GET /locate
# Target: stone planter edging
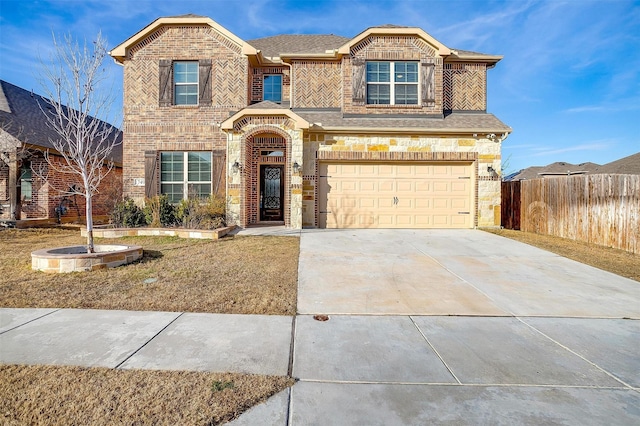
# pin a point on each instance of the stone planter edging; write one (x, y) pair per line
(213, 234)
(76, 259)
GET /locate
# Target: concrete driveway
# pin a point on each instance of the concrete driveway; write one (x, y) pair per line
(460, 327)
(451, 272)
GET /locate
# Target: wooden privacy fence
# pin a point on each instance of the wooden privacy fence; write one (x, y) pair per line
(598, 209)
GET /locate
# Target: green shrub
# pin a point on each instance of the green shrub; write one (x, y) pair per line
(158, 211)
(198, 213)
(127, 214)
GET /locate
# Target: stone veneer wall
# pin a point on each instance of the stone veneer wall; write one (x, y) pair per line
(149, 127)
(484, 152)
(240, 207)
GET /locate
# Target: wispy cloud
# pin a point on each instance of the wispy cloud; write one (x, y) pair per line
(599, 145)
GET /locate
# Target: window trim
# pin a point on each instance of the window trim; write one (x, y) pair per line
(264, 77)
(176, 83)
(185, 173)
(392, 84)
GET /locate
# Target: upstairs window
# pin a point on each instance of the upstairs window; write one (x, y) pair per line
(272, 88)
(392, 83)
(185, 175)
(185, 81)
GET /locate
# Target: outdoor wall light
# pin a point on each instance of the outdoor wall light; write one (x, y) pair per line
(490, 169)
(296, 167)
(236, 167)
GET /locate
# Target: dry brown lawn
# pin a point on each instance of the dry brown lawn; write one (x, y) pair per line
(239, 275)
(44, 395)
(609, 259)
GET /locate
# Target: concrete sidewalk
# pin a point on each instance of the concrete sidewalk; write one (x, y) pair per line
(146, 340)
(365, 369)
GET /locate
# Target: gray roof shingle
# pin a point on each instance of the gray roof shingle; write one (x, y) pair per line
(467, 122)
(24, 120)
(628, 165)
(297, 43)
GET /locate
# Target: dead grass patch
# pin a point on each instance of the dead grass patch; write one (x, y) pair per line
(609, 259)
(239, 275)
(41, 395)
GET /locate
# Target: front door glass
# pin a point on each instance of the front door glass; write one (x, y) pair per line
(271, 193)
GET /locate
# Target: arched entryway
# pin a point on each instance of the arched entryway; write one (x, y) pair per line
(266, 178)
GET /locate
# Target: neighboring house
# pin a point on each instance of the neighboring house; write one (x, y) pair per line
(558, 168)
(629, 165)
(24, 194)
(387, 129)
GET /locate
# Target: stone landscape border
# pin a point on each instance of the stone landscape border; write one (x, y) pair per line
(76, 258)
(212, 234)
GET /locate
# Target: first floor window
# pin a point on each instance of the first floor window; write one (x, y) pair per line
(272, 88)
(26, 181)
(185, 79)
(392, 83)
(185, 175)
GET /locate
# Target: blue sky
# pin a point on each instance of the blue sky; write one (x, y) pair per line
(569, 83)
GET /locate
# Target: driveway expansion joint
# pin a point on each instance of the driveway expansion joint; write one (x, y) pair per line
(435, 350)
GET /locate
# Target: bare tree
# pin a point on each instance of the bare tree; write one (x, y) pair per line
(76, 101)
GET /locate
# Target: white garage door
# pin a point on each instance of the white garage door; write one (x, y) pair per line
(396, 195)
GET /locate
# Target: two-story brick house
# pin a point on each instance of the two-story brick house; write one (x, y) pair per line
(387, 129)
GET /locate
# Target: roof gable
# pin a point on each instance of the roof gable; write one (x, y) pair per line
(394, 30)
(119, 53)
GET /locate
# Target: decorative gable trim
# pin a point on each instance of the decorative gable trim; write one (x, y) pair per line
(361, 40)
(153, 31)
(284, 118)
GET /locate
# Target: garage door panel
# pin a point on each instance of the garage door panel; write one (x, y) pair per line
(459, 220)
(441, 203)
(441, 220)
(424, 203)
(460, 187)
(441, 187)
(424, 186)
(459, 203)
(386, 203)
(367, 185)
(405, 186)
(395, 195)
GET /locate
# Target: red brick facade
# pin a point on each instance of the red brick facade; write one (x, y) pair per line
(317, 83)
(50, 192)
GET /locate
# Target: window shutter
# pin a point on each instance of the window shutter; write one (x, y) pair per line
(218, 170)
(204, 66)
(359, 84)
(150, 174)
(428, 83)
(166, 85)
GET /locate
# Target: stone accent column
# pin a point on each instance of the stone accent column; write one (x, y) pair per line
(296, 180)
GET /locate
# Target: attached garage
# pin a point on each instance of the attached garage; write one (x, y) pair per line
(396, 195)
